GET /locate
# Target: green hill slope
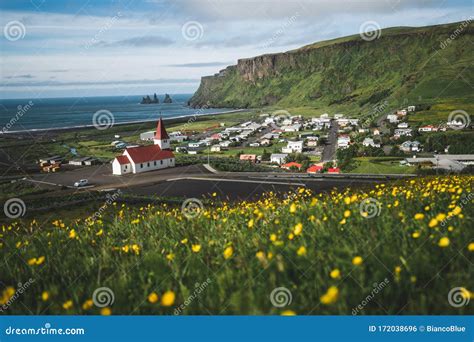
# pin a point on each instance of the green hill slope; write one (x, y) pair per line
(403, 64)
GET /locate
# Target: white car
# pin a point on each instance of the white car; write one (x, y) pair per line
(82, 182)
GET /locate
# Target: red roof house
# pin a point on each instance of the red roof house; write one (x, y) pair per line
(314, 169)
(334, 170)
(289, 165)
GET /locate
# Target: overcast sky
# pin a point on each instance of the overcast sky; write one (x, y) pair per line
(54, 48)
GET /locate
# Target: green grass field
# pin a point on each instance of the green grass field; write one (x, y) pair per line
(404, 246)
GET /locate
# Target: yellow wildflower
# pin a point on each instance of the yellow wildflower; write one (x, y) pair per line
(419, 216)
(443, 242)
(87, 304)
(196, 248)
(293, 208)
(335, 274)
(433, 223)
(72, 234)
(106, 311)
(228, 252)
(67, 305)
(357, 260)
(298, 228)
(288, 313)
(152, 298)
(250, 223)
(45, 296)
(168, 298)
(347, 213)
(301, 251)
(470, 247)
(415, 235)
(330, 296)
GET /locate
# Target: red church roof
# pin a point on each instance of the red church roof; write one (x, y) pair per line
(123, 160)
(161, 131)
(142, 154)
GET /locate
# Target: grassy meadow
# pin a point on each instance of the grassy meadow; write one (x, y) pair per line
(395, 248)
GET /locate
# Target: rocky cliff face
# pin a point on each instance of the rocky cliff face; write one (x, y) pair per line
(344, 71)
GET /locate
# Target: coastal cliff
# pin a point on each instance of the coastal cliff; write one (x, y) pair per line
(402, 62)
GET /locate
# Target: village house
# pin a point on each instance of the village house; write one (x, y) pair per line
(428, 128)
(370, 142)
(278, 158)
(411, 108)
(291, 165)
(403, 125)
(146, 158)
(343, 141)
(392, 118)
(402, 132)
(293, 147)
(314, 169)
(410, 146)
(248, 157)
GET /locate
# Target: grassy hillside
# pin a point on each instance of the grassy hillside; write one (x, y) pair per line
(324, 254)
(404, 65)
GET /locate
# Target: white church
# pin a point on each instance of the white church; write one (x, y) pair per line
(146, 158)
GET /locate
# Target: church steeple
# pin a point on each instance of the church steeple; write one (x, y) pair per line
(161, 136)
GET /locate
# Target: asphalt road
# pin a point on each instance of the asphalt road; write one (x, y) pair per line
(330, 148)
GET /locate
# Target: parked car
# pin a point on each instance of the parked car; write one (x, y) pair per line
(81, 182)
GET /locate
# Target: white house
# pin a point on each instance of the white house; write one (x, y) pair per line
(411, 108)
(392, 118)
(278, 158)
(370, 142)
(343, 141)
(403, 125)
(400, 132)
(293, 146)
(428, 128)
(146, 158)
(410, 146)
(291, 128)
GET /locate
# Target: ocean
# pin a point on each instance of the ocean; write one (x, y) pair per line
(41, 114)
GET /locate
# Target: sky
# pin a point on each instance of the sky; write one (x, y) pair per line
(59, 48)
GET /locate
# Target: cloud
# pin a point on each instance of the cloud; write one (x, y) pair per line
(199, 65)
(27, 76)
(143, 41)
(107, 82)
